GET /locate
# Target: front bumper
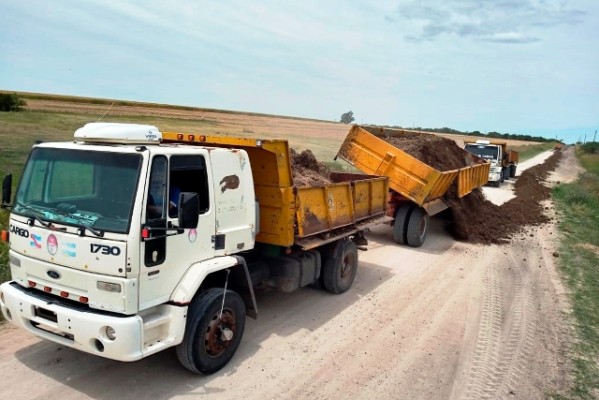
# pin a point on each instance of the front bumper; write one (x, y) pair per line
(76, 327)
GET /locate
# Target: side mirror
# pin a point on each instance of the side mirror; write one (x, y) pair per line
(189, 210)
(6, 191)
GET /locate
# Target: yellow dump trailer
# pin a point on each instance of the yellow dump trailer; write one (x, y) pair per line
(417, 189)
(308, 216)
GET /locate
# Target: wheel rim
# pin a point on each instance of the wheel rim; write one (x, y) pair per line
(220, 333)
(346, 270)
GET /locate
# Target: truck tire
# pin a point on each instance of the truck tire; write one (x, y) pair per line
(400, 224)
(339, 270)
(211, 339)
(417, 227)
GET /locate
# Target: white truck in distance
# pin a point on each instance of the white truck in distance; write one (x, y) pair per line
(128, 240)
(503, 162)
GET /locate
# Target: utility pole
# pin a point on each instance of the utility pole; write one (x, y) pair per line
(594, 135)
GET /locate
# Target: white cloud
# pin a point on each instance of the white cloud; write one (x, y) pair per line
(502, 21)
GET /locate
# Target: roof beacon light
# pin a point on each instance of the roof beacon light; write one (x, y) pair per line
(108, 132)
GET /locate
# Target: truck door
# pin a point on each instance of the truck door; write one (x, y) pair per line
(169, 253)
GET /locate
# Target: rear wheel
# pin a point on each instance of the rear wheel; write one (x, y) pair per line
(417, 227)
(339, 271)
(400, 225)
(212, 334)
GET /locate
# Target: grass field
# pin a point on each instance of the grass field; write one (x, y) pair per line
(578, 203)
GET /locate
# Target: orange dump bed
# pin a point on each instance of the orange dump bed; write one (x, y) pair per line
(409, 176)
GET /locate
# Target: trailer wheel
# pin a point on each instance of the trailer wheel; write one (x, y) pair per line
(211, 337)
(417, 227)
(400, 224)
(339, 271)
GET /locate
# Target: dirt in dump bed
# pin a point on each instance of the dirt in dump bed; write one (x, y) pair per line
(440, 153)
(307, 170)
(477, 220)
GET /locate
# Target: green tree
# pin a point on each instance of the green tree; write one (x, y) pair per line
(11, 102)
(348, 117)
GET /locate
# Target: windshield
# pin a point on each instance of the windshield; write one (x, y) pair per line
(88, 189)
(483, 151)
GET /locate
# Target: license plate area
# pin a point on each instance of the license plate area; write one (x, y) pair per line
(45, 314)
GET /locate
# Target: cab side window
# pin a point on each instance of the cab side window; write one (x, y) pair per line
(188, 174)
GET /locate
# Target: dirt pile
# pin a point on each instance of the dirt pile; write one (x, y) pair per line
(477, 220)
(440, 153)
(307, 170)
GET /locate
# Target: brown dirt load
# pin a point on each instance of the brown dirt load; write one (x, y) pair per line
(440, 153)
(307, 170)
(477, 220)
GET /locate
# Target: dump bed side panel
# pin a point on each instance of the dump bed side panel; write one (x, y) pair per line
(512, 156)
(326, 208)
(470, 178)
(408, 176)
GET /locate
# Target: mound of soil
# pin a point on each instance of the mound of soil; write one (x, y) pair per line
(440, 153)
(477, 220)
(307, 170)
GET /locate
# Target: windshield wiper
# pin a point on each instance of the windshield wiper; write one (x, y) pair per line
(33, 216)
(82, 228)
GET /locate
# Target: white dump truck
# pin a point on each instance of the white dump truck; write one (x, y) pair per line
(503, 161)
(128, 241)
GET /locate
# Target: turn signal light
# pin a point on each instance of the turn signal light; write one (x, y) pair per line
(64, 294)
(83, 299)
(47, 289)
(31, 283)
(190, 138)
(145, 233)
(5, 236)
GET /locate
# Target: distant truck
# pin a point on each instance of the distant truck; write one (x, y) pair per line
(503, 161)
(416, 190)
(104, 259)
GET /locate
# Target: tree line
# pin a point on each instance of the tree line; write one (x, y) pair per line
(348, 118)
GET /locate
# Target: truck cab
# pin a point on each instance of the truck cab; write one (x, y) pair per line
(493, 153)
(105, 230)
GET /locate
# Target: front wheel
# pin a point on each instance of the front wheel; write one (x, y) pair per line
(212, 333)
(339, 271)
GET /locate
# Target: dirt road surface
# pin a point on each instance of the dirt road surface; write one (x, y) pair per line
(446, 321)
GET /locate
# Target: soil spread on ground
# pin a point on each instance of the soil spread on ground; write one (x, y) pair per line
(307, 170)
(477, 220)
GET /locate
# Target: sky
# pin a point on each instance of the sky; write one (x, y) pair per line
(510, 66)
